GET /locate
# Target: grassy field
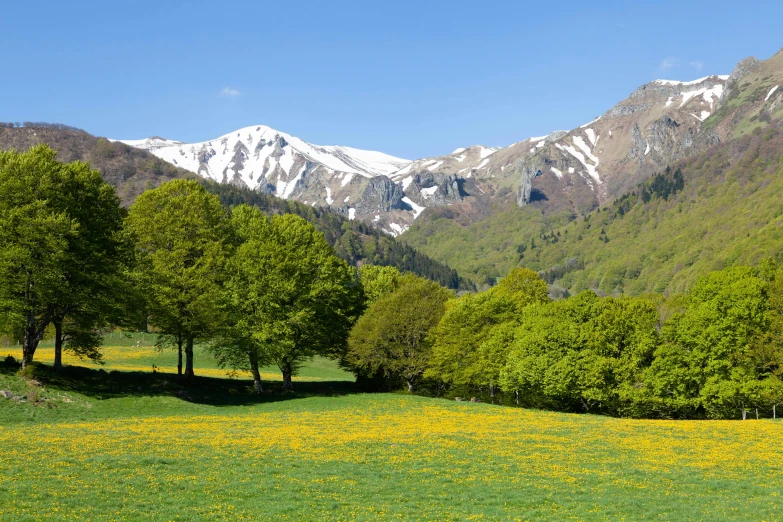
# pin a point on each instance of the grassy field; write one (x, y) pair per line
(137, 353)
(132, 445)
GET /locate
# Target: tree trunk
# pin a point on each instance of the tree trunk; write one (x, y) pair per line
(179, 355)
(257, 388)
(58, 344)
(757, 414)
(744, 413)
(288, 385)
(773, 412)
(492, 391)
(410, 385)
(32, 336)
(189, 359)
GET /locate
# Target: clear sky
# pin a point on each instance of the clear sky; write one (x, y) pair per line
(412, 79)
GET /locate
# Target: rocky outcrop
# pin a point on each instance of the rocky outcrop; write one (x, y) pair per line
(527, 170)
(380, 194)
(742, 69)
(661, 89)
(627, 110)
(236, 164)
(638, 143)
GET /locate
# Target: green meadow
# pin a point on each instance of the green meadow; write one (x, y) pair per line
(86, 444)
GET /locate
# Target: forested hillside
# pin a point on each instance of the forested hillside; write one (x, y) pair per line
(709, 211)
(131, 171)
(354, 241)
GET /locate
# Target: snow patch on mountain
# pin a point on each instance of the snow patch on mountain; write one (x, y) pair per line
(259, 152)
(417, 209)
(722, 77)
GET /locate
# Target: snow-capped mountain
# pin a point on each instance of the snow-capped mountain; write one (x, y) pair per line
(259, 154)
(577, 170)
(352, 181)
(589, 165)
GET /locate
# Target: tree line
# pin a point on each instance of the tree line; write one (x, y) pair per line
(715, 352)
(256, 290)
(260, 290)
(356, 242)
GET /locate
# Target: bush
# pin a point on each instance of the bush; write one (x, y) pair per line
(30, 372)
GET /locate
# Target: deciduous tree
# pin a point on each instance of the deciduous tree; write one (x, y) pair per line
(392, 335)
(182, 236)
(289, 296)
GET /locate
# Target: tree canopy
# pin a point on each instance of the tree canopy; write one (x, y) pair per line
(63, 253)
(290, 297)
(183, 241)
(392, 335)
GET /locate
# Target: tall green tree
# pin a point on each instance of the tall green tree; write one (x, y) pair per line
(63, 256)
(96, 290)
(392, 335)
(183, 241)
(577, 354)
(288, 295)
(460, 355)
(713, 339)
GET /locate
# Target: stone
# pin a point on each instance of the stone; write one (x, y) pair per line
(380, 194)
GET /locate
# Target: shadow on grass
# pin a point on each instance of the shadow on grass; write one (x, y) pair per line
(100, 384)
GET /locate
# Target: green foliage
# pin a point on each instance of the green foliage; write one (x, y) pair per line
(29, 371)
(714, 352)
(575, 354)
(706, 360)
(378, 281)
(289, 297)
(392, 336)
(355, 242)
(467, 340)
(64, 256)
(182, 239)
(485, 250)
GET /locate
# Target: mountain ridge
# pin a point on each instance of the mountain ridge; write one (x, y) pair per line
(576, 172)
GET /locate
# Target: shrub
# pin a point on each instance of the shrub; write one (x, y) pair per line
(29, 372)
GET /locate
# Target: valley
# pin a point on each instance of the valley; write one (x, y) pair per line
(534, 271)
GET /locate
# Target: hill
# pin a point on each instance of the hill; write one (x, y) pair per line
(354, 241)
(131, 171)
(703, 213)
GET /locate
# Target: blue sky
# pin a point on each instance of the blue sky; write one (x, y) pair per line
(413, 79)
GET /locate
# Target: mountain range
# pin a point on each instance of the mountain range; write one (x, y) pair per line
(663, 159)
(574, 170)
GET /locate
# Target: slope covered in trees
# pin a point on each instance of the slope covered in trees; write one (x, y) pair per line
(356, 242)
(130, 171)
(709, 211)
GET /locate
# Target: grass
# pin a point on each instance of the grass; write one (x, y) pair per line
(136, 352)
(136, 445)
